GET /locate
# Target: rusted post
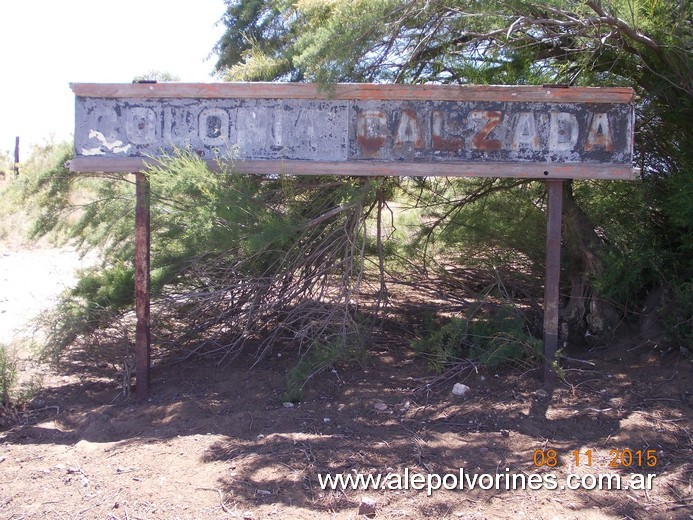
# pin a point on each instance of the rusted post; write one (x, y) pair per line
(553, 273)
(142, 331)
(16, 157)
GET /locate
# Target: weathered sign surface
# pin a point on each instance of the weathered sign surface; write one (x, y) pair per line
(538, 132)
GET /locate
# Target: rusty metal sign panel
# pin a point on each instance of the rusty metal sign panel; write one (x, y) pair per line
(360, 129)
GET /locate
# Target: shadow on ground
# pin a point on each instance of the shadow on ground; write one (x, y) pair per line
(270, 455)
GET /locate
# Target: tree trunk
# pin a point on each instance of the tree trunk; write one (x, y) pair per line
(589, 319)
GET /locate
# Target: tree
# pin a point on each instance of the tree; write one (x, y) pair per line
(156, 75)
(645, 44)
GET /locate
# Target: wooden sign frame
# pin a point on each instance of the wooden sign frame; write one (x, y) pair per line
(432, 130)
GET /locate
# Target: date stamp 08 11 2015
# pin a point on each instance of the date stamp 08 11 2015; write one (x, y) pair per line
(625, 458)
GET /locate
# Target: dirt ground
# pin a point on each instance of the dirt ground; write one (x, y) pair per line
(216, 441)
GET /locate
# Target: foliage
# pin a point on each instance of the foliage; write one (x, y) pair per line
(641, 234)
(155, 75)
(234, 257)
(6, 162)
(322, 356)
(490, 334)
(461, 41)
(17, 213)
(491, 223)
(8, 374)
(678, 315)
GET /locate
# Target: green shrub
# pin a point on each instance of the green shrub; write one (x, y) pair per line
(678, 321)
(443, 345)
(233, 256)
(501, 337)
(324, 355)
(649, 245)
(8, 374)
(491, 336)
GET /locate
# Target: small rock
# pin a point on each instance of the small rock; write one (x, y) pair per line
(505, 433)
(36, 403)
(405, 407)
(484, 450)
(85, 446)
(460, 389)
(325, 419)
(247, 515)
(288, 404)
(541, 393)
(264, 492)
(380, 406)
(3, 459)
(367, 507)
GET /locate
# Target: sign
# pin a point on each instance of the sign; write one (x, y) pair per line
(548, 132)
(360, 129)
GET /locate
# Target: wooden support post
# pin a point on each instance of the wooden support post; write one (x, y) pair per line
(142, 332)
(553, 273)
(16, 157)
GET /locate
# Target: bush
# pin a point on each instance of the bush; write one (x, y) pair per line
(8, 375)
(491, 335)
(233, 257)
(678, 321)
(647, 246)
(322, 356)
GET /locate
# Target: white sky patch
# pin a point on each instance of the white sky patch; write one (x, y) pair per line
(46, 45)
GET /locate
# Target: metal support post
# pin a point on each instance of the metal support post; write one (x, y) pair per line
(142, 332)
(553, 273)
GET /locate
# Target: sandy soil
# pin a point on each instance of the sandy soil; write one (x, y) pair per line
(216, 441)
(30, 281)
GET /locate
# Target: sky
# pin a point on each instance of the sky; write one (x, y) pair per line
(47, 44)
